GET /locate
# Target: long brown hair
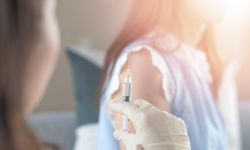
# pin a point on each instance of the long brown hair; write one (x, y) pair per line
(19, 23)
(143, 17)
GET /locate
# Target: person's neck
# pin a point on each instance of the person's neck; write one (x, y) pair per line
(190, 29)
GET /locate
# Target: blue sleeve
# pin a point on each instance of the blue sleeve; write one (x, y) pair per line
(105, 140)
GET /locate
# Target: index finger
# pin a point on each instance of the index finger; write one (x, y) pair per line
(126, 108)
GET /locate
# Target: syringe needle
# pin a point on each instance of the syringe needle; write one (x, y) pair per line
(129, 63)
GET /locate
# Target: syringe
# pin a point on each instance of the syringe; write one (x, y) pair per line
(126, 96)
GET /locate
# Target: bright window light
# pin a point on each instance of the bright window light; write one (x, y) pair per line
(238, 9)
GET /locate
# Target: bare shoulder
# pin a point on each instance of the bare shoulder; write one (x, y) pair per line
(146, 79)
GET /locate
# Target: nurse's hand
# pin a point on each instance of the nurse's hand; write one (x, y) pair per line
(155, 129)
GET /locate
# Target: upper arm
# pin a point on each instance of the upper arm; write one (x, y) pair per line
(147, 82)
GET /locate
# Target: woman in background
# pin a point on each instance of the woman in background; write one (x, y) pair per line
(174, 65)
(28, 50)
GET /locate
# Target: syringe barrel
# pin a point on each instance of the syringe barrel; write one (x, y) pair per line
(126, 92)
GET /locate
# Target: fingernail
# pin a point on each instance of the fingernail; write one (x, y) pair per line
(116, 134)
(113, 104)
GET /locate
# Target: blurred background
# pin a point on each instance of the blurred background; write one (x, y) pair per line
(93, 24)
(88, 27)
(90, 24)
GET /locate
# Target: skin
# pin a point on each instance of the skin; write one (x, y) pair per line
(43, 58)
(207, 10)
(194, 17)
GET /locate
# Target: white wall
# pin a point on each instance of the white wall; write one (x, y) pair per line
(97, 20)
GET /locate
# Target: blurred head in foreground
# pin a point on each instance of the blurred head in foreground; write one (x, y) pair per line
(28, 35)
